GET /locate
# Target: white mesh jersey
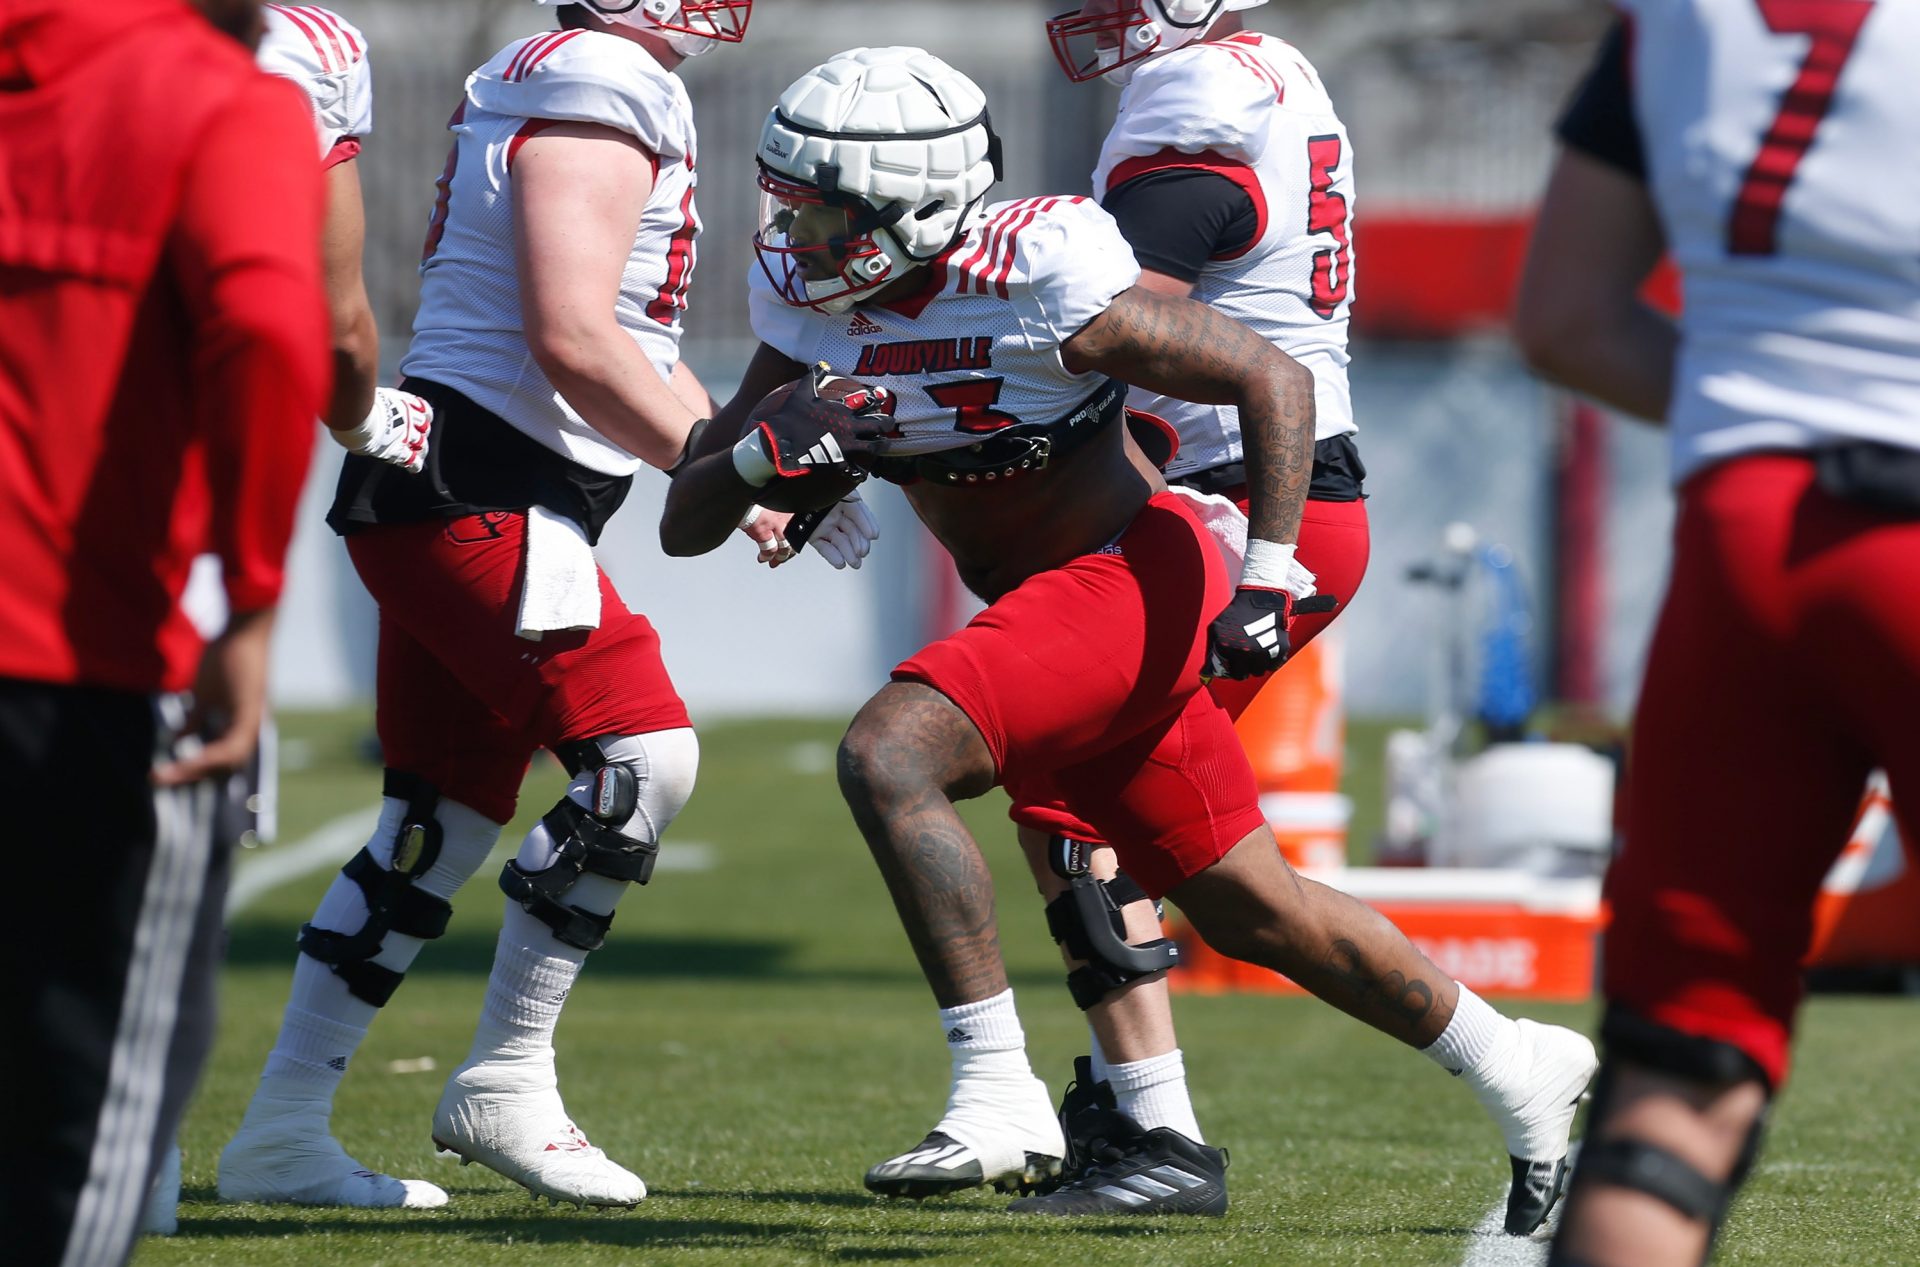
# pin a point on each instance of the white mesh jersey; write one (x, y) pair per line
(1251, 108)
(326, 56)
(977, 349)
(1784, 158)
(467, 334)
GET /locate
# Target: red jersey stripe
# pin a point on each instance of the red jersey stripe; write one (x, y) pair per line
(965, 268)
(546, 52)
(1004, 266)
(533, 42)
(323, 22)
(972, 282)
(313, 36)
(1259, 70)
(338, 27)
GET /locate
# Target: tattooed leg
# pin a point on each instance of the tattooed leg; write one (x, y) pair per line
(1252, 906)
(908, 756)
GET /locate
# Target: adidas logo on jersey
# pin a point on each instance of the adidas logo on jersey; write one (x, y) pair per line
(862, 324)
(825, 452)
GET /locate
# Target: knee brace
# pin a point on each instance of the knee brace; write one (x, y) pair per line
(1087, 922)
(1649, 1168)
(625, 791)
(393, 903)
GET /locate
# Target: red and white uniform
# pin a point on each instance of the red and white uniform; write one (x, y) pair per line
(326, 57)
(467, 334)
(981, 343)
(1782, 156)
(1802, 316)
(1084, 681)
(1251, 109)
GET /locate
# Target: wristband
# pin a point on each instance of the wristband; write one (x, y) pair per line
(356, 439)
(1272, 566)
(751, 461)
(694, 433)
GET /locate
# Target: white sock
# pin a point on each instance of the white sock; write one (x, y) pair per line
(996, 1105)
(1153, 1092)
(533, 970)
(324, 1024)
(1473, 1039)
(985, 1038)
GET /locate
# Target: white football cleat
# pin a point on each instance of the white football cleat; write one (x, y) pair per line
(1532, 1097)
(509, 1118)
(283, 1154)
(996, 1131)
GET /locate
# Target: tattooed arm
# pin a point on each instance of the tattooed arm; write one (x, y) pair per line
(1184, 349)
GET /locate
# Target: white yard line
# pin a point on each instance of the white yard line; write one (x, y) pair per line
(261, 872)
(1492, 1247)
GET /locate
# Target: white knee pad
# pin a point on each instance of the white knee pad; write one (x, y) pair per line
(604, 834)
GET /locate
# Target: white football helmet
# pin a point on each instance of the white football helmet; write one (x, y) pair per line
(690, 27)
(871, 164)
(1109, 37)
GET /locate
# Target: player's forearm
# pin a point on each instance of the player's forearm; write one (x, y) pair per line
(1276, 433)
(704, 506)
(356, 367)
(608, 379)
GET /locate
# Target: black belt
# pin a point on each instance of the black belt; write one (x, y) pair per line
(1016, 449)
(1338, 473)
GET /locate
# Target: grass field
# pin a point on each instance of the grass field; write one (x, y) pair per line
(755, 1034)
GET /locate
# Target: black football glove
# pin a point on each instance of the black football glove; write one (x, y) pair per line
(1251, 637)
(821, 427)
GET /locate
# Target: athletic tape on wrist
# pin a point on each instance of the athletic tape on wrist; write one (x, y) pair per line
(751, 461)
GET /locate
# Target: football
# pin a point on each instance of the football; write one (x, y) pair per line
(830, 480)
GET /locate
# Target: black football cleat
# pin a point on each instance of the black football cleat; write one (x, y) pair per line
(1127, 1170)
(1082, 1111)
(1536, 1189)
(940, 1164)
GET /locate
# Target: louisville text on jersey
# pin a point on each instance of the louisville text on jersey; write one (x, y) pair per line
(922, 356)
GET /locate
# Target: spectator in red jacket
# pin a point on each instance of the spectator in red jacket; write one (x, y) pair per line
(163, 354)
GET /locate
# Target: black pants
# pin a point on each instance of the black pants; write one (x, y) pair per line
(107, 957)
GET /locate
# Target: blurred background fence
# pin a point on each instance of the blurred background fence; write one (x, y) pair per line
(1449, 103)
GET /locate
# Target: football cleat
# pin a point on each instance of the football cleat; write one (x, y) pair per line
(998, 1131)
(1133, 1171)
(283, 1154)
(509, 1118)
(1081, 1112)
(1533, 1096)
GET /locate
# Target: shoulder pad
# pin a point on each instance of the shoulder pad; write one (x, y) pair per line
(1216, 96)
(1068, 262)
(588, 77)
(326, 56)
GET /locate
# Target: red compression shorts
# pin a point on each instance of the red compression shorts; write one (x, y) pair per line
(1086, 678)
(464, 702)
(1785, 666)
(1334, 543)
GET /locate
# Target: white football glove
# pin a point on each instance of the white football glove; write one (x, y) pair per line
(396, 431)
(847, 533)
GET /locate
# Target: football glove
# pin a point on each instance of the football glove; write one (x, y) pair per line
(395, 431)
(844, 535)
(1252, 637)
(820, 427)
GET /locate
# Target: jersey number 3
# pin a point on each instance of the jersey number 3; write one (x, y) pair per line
(1755, 221)
(1327, 213)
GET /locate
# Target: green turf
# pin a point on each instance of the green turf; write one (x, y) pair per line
(754, 1036)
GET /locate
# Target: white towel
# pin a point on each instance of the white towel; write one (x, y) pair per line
(561, 589)
(1227, 525)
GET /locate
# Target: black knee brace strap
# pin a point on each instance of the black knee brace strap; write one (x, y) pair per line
(586, 844)
(393, 904)
(1086, 920)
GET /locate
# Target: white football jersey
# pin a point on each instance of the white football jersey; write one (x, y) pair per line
(1785, 164)
(326, 56)
(1251, 108)
(467, 334)
(978, 348)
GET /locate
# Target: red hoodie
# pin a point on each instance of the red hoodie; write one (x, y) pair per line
(163, 335)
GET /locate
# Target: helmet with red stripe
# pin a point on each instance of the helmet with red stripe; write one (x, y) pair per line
(871, 164)
(1109, 37)
(690, 27)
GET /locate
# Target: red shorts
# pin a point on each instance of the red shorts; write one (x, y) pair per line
(463, 701)
(1333, 546)
(1086, 678)
(1785, 666)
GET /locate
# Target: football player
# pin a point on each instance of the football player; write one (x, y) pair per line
(1771, 149)
(993, 347)
(555, 280)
